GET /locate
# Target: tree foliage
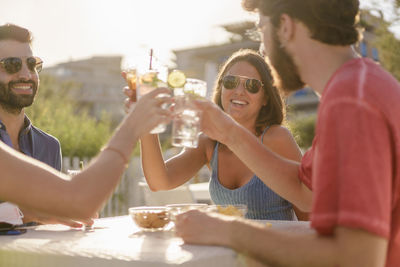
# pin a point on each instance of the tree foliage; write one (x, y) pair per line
(56, 113)
(389, 47)
(303, 129)
(386, 42)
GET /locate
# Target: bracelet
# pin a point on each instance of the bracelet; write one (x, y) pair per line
(122, 155)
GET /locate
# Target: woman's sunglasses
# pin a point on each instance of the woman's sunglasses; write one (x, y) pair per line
(14, 64)
(251, 85)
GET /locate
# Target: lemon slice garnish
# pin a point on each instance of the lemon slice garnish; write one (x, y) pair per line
(149, 78)
(176, 79)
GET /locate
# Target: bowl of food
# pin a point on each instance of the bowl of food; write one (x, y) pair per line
(239, 210)
(150, 218)
(175, 209)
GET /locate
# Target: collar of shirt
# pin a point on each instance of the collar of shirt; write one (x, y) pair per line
(23, 135)
(25, 128)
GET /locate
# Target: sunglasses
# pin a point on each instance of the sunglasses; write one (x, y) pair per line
(232, 81)
(14, 64)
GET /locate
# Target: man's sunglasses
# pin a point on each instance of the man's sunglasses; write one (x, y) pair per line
(14, 64)
(233, 81)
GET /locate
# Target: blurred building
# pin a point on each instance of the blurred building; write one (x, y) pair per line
(204, 62)
(99, 81)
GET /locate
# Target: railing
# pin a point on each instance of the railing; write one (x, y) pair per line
(127, 194)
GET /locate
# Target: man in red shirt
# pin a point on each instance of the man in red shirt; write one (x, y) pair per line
(353, 167)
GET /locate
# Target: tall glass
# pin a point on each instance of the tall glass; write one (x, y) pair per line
(131, 79)
(147, 81)
(187, 118)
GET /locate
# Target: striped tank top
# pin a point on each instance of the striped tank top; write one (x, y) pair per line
(262, 203)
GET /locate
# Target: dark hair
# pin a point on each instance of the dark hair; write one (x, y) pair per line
(274, 111)
(13, 32)
(333, 22)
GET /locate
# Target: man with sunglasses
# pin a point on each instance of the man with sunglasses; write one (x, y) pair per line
(353, 166)
(19, 81)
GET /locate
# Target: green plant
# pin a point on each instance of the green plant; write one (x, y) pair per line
(56, 113)
(303, 129)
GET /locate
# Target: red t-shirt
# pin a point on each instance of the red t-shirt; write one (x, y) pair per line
(353, 166)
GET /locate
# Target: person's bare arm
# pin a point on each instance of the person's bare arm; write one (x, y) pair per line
(50, 192)
(279, 173)
(177, 170)
(346, 247)
(280, 140)
(38, 217)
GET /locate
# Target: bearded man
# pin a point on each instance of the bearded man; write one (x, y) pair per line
(350, 178)
(19, 83)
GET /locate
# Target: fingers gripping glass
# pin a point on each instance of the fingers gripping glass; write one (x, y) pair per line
(14, 64)
(233, 81)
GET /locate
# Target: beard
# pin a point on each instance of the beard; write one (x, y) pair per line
(283, 69)
(14, 103)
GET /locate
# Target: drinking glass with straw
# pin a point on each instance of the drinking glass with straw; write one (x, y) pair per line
(149, 79)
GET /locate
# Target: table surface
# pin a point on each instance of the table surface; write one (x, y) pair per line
(115, 242)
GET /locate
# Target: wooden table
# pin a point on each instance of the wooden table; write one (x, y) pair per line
(114, 242)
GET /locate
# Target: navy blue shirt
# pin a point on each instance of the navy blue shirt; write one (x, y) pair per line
(35, 143)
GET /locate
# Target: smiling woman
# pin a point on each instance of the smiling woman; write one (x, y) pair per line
(243, 90)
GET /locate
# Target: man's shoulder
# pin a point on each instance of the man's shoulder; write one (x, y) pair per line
(47, 148)
(43, 137)
(361, 79)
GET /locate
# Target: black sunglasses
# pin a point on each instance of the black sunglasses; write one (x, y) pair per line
(14, 64)
(251, 85)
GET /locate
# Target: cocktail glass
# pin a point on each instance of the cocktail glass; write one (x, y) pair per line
(131, 79)
(187, 118)
(147, 81)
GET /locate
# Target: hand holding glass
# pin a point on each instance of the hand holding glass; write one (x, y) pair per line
(147, 81)
(186, 122)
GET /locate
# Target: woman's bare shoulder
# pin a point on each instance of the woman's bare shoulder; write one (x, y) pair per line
(280, 140)
(277, 133)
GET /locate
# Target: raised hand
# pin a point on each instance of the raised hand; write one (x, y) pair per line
(148, 113)
(216, 124)
(34, 216)
(128, 101)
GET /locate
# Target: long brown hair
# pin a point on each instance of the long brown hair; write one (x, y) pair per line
(271, 113)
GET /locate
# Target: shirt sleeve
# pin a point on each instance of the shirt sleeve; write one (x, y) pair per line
(352, 169)
(10, 213)
(58, 160)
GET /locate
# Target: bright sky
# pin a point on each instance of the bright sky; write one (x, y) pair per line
(76, 29)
